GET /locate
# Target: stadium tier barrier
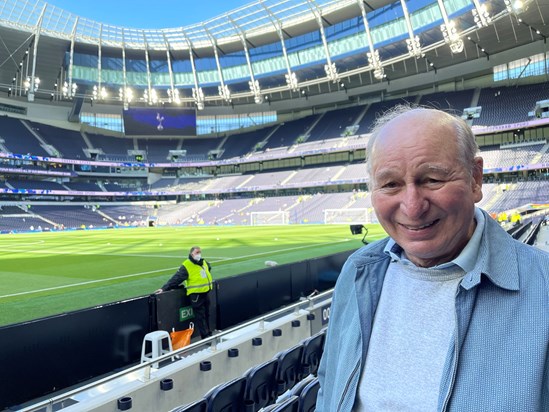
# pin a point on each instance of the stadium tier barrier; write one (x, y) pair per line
(48, 355)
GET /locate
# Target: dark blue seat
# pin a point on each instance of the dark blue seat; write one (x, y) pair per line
(260, 389)
(199, 406)
(227, 397)
(290, 404)
(299, 386)
(307, 397)
(312, 352)
(288, 372)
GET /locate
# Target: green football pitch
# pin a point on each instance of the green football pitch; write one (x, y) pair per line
(43, 274)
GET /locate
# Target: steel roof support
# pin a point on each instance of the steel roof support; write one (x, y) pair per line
(253, 83)
(291, 78)
(414, 46)
(224, 91)
(198, 93)
(149, 95)
(449, 31)
(480, 14)
(124, 94)
(99, 56)
(37, 30)
(373, 54)
(174, 95)
(330, 67)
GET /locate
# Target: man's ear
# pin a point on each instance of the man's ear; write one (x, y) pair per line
(478, 164)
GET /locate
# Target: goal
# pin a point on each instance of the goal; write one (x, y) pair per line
(346, 216)
(281, 217)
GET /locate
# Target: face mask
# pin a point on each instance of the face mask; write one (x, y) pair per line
(198, 256)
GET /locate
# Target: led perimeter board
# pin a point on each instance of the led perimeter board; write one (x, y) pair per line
(160, 122)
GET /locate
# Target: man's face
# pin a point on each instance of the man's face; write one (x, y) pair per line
(196, 253)
(422, 194)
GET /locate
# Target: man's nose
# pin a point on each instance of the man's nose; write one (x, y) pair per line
(414, 203)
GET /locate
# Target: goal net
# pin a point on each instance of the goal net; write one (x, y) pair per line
(280, 217)
(346, 216)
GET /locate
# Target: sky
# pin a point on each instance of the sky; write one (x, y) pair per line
(149, 14)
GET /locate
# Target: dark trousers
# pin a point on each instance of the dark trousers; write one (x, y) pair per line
(201, 308)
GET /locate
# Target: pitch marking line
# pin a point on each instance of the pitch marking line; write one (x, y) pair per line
(156, 271)
(86, 283)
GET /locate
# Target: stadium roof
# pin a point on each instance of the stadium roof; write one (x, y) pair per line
(485, 31)
(256, 19)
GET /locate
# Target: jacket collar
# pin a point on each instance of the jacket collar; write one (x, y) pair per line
(497, 259)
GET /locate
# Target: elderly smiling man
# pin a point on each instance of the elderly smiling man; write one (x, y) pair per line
(449, 313)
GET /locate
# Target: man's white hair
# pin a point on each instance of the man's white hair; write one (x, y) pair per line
(464, 135)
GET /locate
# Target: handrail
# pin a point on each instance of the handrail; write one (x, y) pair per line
(308, 302)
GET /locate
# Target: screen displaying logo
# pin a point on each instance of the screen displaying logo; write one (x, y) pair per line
(145, 121)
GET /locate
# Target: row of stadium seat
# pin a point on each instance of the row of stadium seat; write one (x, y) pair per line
(288, 378)
(499, 106)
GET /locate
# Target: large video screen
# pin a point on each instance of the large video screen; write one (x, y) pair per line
(160, 121)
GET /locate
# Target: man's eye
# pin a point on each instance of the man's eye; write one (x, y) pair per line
(389, 185)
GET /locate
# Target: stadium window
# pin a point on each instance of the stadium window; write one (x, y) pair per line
(223, 123)
(500, 72)
(103, 121)
(533, 66)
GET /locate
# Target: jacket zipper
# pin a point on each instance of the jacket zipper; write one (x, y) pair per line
(454, 364)
(348, 385)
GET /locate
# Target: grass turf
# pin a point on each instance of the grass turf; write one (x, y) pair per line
(42, 274)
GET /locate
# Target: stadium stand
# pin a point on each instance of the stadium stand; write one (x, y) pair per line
(18, 139)
(452, 102)
(288, 132)
(505, 105)
(72, 216)
(68, 143)
(334, 123)
(375, 109)
(111, 145)
(507, 157)
(157, 149)
(197, 149)
(83, 186)
(521, 193)
(237, 145)
(35, 184)
(164, 183)
(22, 224)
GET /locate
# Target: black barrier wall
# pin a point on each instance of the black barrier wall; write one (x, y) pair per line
(244, 297)
(47, 355)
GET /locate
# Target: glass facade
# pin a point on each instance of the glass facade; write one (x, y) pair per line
(204, 124)
(387, 25)
(533, 66)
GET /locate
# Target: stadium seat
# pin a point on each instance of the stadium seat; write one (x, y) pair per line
(288, 405)
(299, 386)
(307, 397)
(227, 397)
(312, 352)
(260, 385)
(289, 368)
(198, 406)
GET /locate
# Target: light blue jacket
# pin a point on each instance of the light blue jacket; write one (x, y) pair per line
(499, 358)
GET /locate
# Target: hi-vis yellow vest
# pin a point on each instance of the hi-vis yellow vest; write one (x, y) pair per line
(200, 279)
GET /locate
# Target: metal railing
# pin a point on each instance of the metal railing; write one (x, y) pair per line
(146, 367)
